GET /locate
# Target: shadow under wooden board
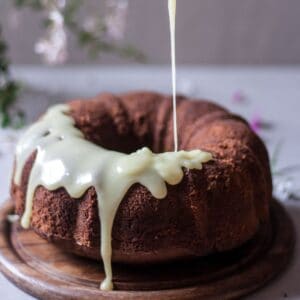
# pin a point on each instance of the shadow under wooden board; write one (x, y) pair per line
(47, 272)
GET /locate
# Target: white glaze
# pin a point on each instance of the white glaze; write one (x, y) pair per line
(65, 159)
(172, 20)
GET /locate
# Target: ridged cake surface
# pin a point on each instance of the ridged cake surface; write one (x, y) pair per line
(214, 209)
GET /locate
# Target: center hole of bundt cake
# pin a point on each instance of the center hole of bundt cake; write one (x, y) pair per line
(108, 124)
(127, 141)
(122, 144)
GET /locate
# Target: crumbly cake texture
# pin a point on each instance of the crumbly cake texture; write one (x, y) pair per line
(211, 210)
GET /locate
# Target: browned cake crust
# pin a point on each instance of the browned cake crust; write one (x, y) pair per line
(214, 209)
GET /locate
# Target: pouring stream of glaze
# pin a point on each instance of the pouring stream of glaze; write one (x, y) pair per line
(172, 20)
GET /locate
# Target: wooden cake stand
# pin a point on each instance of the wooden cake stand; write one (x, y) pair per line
(47, 272)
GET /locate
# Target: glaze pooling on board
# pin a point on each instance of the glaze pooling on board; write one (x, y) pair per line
(65, 159)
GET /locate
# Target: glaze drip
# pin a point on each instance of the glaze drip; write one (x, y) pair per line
(65, 159)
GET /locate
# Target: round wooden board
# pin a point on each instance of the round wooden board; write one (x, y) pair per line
(47, 272)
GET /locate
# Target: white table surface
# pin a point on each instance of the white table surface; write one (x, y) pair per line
(271, 92)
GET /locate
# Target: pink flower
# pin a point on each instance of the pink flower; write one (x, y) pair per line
(115, 18)
(238, 97)
(256, 123)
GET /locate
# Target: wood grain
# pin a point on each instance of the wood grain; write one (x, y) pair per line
(47, 272)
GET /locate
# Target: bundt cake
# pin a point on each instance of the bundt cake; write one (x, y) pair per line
(213, 209)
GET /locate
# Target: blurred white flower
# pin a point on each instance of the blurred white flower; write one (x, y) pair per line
(53, 47)
(115, 18)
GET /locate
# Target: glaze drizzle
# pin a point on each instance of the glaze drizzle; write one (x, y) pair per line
(66, 159)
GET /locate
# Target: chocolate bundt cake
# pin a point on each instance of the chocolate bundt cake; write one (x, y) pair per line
(213, 209)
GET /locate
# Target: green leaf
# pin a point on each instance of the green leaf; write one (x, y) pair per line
(9, 90)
